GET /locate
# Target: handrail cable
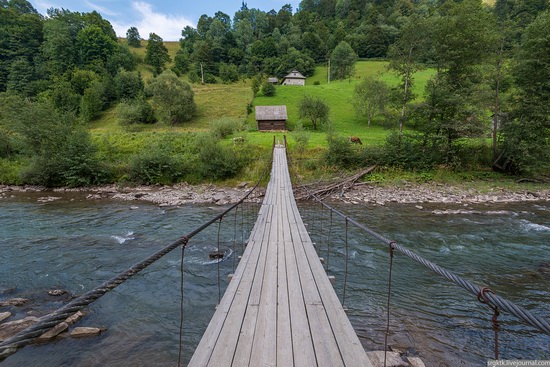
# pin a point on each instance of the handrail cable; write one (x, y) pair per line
(44, 323)
(491, 298)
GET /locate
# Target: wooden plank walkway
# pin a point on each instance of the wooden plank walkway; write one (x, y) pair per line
(280, 308)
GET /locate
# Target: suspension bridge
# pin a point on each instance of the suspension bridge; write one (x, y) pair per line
(280, 308)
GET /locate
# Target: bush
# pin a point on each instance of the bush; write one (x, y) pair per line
(341, 153)
(229, 73)
(173, 98)
(156, 166)
(223, 127)
(268, 89)
(136, 111)
(411, 152)
(217, 161)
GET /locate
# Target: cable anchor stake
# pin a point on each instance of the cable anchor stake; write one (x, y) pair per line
(481, 297)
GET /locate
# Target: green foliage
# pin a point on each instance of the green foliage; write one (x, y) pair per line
(340, 152)
(268, 89)
(301, 137)
(217, 161)
(156, 54)
(224, 127)
(60, 152)
(172, 98)
(255, 85)
(92, 102)
(370, 98)
(128, 85)
(135, 111)
(133, 38)
(314, 109)
(157, 165)
(342, 61)
(229, 73)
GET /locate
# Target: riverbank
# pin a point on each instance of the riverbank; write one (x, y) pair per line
(374, 194)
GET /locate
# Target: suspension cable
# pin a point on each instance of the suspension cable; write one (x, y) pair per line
(491, 298)
(45, 323)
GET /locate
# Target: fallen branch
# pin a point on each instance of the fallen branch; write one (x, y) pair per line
(305, 192)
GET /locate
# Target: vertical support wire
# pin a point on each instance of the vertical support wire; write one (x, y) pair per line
(328, 238)
(235, 239)
(392, 247)
(242, 227)
(180, 353)
(219, 261)
(346, 273)
(321, 228)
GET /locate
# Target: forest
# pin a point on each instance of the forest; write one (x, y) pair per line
(487, 97)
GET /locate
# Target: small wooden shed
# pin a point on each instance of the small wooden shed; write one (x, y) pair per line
(294, 78)
(271, 117)
(273, 80)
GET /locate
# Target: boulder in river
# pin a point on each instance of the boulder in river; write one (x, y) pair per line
(83, 331)
(11, 328)
(14, 302)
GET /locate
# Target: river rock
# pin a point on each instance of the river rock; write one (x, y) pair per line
(393, 359)
(415, 362)
(4, 315)
(55, 331)
(14, 302)
(11, 328)
(83, 331)
(57, 292)
(74, 318)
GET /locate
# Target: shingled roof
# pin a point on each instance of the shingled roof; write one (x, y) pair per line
(271, 113)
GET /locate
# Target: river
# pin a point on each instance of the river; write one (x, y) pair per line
(75, 244)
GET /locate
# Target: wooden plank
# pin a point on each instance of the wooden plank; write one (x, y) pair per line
(248, 328)
(264, 346)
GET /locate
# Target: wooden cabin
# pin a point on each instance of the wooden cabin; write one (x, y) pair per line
(294, 78)
(271, 117)
(273, 81)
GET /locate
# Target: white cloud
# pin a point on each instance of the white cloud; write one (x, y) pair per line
(101, 9)
(43, 6)
(148, 21)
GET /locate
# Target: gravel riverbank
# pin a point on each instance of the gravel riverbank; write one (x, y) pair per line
(183, 194)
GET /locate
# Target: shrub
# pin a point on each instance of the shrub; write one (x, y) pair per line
(135, 111)
(218, 162)
(411, 152)
(225, 126)
(173, 98)
(340, 152)
(268, 89)
(156, 166)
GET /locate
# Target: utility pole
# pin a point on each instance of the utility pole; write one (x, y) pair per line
(202, 74)
(328, 71)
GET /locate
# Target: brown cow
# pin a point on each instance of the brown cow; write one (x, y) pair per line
(355, 140)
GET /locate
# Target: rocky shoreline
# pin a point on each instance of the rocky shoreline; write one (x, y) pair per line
(184, 194)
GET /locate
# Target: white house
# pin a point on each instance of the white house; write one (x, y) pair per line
(294, 78)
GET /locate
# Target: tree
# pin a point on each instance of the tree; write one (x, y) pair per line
(95, 47)
(128, 85)
(527, 138)
(314, 109)
(133, 38)
(156, 54)
(172, 98)
(370, 98)
(405, 56)
(342, 61)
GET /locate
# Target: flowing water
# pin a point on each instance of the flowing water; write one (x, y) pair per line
(74, 244)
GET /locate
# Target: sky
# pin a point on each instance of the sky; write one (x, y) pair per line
(166, 18)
